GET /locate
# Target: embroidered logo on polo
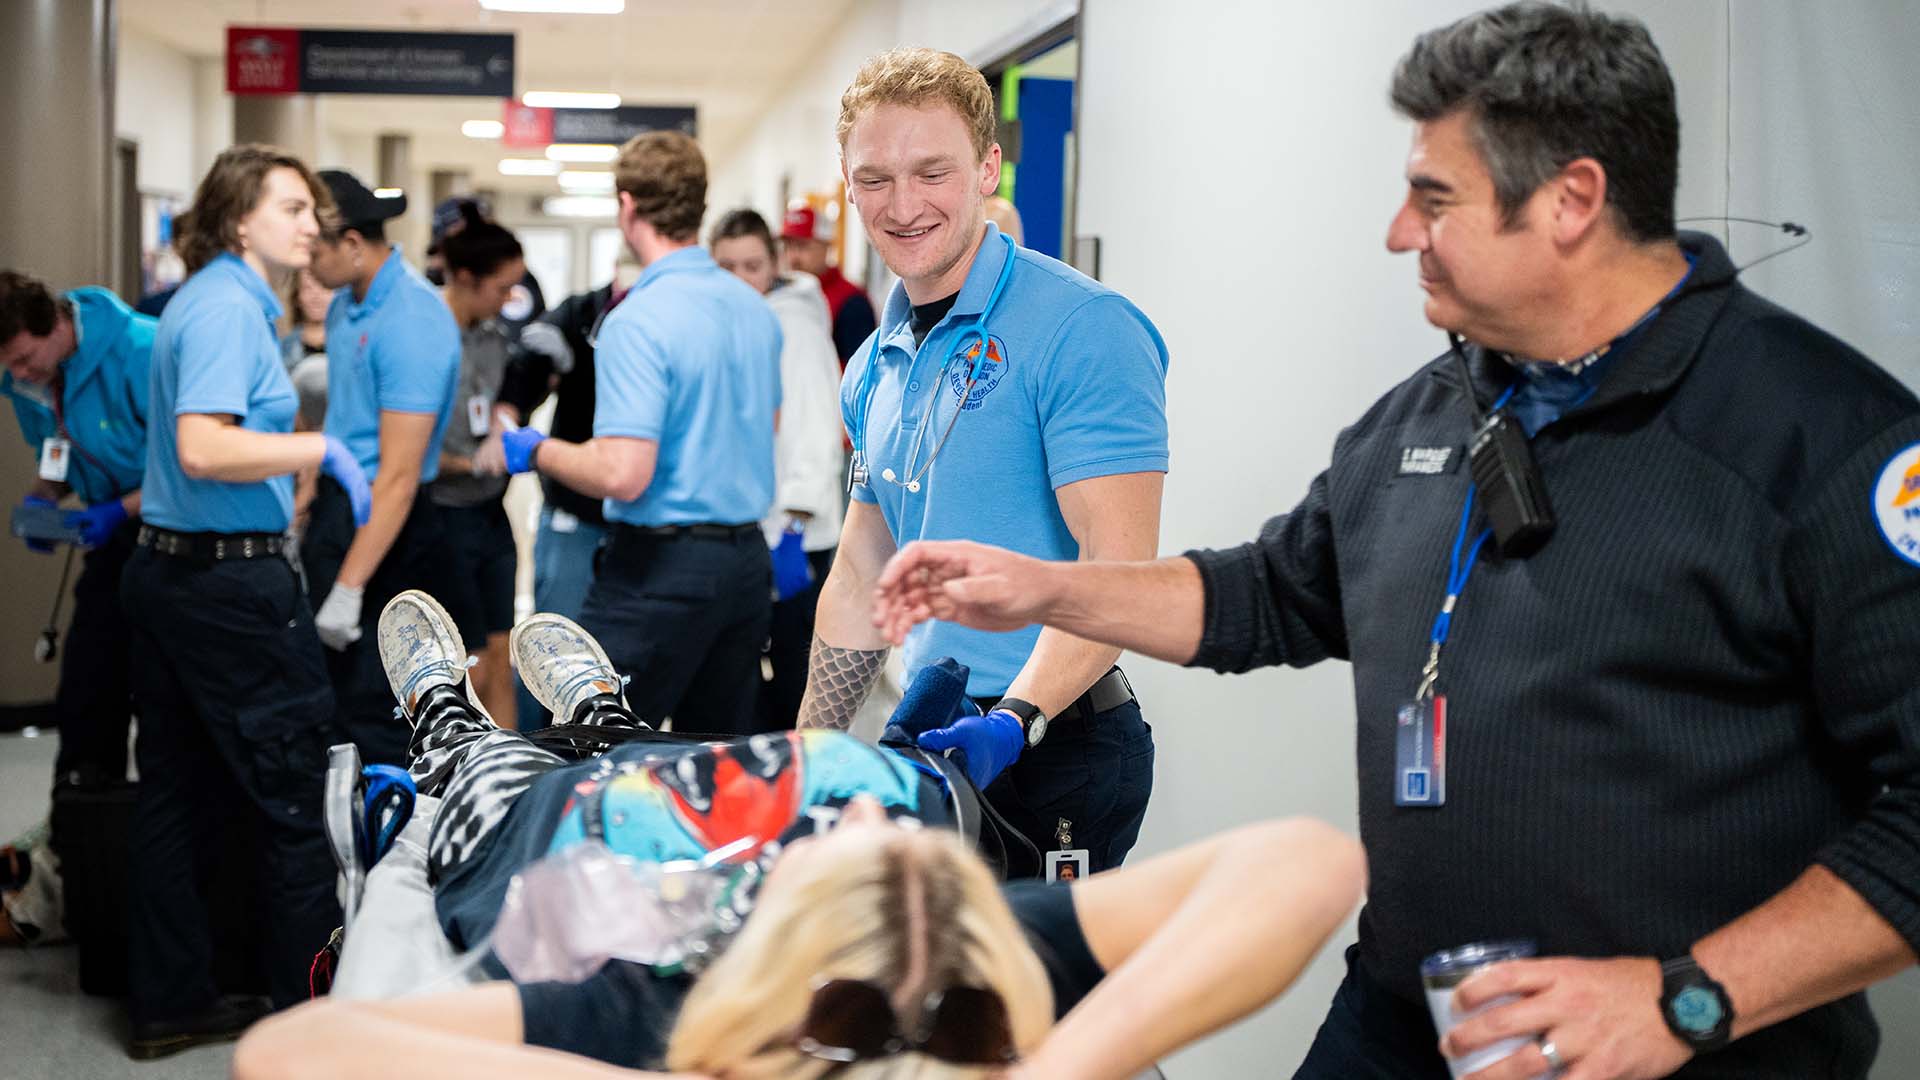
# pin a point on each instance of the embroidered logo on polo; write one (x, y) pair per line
(991, 372)
(1896, 503)
(1427, 460)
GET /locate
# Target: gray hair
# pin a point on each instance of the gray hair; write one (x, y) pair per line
(1544, 85)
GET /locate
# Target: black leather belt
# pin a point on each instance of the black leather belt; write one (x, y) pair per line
(700, 531)
(210, 546)
(1112, 691)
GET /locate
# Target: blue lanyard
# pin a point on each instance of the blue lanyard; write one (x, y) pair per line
(1458, 571)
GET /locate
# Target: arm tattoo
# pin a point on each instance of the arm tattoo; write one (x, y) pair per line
(838, 682)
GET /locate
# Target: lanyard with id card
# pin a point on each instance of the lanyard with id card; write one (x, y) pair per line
(1420, 725)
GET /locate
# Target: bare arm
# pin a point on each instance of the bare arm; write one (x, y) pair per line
(848, 652)
(403, 446)
(609, 467)
(1197, 938)
(1112, 518)
(1152, 608)
(467, 1033)
(214, 447)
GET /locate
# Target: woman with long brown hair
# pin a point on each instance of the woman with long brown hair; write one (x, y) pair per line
(231, 688)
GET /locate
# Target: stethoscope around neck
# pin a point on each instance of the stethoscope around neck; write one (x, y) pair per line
(857, 471)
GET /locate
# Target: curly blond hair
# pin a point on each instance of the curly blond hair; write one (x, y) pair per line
(913, 77)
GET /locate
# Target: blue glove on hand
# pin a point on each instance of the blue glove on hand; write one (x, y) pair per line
(520, 444)
(43, 547)
(986, 744)
(98, 521)
(791, 574)
(339, 463)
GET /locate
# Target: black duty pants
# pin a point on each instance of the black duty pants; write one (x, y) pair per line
(361, 694)
(94, 702)
(233, 698)
(790, 647)
(686, 617)
(1095, 776)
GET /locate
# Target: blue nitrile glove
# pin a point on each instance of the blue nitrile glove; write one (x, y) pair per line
(520, 444)
(986, 744)
(98, 521)
(43, 547)
(339, 463)
(936, 698)
(791, 574)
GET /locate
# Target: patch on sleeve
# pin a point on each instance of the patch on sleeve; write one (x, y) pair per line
(1896, 503)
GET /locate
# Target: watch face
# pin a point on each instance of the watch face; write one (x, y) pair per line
(1697, 1010)
(1037, 729)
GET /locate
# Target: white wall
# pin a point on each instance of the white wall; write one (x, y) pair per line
(154, 105)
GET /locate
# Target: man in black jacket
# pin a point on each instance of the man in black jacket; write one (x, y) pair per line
(1664, 721)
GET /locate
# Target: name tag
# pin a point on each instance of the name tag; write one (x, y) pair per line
(478, 407)
(1420, 753)
(1428, 460)
(54, 454)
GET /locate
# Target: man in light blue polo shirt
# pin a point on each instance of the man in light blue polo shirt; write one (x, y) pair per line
(76, 372)
(688, 392)
(1004, 398)
(393, 360)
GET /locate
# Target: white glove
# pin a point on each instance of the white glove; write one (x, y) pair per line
(338, 620)
(547, 340)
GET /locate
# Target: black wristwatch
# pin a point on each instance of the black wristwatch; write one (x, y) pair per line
(1032, 720)
(1697, 1009)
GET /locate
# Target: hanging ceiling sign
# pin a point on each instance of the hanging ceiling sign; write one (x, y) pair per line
(264, 60)
(530, 128)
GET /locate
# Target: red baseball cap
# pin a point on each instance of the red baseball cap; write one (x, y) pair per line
(802, 224)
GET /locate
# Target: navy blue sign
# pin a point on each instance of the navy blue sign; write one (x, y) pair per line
(285, 61)
(616, 126)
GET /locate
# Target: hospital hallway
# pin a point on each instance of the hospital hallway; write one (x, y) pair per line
(48, 1028)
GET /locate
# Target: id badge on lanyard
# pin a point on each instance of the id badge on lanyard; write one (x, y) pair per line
(55, 457)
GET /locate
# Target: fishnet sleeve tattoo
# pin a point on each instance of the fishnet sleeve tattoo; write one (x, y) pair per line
(838, 682)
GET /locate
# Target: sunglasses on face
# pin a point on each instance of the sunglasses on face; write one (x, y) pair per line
(853, 1020)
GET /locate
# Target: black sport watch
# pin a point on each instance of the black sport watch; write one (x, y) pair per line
(1032, 720)
(1696, 1008)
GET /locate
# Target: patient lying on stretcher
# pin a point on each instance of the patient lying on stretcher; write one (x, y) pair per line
(787, 905)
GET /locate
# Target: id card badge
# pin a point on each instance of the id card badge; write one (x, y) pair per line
(1420, 753)
(1068, 865)
(477, 418)
(54, 452)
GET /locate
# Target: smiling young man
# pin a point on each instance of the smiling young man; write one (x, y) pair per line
(1006, 398)
(1679, 752)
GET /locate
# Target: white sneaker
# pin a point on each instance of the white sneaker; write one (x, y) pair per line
(421, 649)
(561, 665)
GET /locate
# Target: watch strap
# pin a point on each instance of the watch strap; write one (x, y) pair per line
(1024, 711)
(1683, 975)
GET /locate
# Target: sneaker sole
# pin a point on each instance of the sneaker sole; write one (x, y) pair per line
(513, 646)
(426, 600)
(153, 1049)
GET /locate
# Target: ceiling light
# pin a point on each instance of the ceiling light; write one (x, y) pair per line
(528, 167)
(483, 129)
(562, 99)
(580, 206)
(387, 193)
(558, 7)
(582, 182)
(575, 152)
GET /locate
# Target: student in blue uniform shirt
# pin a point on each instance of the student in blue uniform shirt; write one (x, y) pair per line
(393, 357)
(688, 373)
(1008, 398)
(228, 673)
(76, 372)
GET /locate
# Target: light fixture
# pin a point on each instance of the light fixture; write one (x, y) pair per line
(579, 152)
(584, 182)
(565, 99)
(387, 193)
(580, 206)
(528, 167)
(558, 7)
(483, 129)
